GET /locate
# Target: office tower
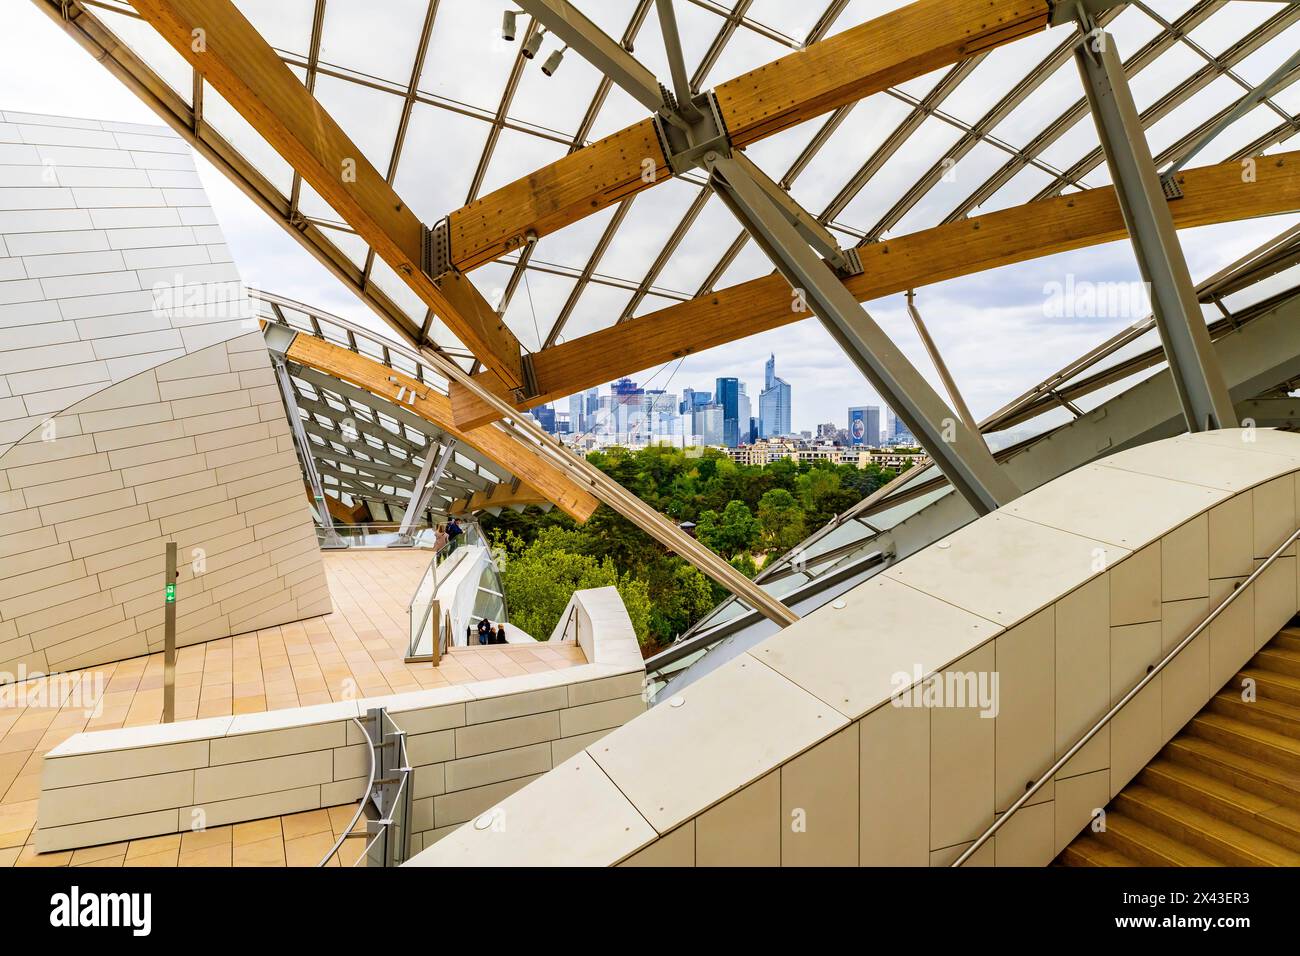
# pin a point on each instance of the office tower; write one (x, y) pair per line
(774, 403)
(707, 424)
(545, 415)
(577, 413)
(864, 425)
(727, 395)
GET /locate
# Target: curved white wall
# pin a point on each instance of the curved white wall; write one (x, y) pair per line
(794, 754)
(137, 405)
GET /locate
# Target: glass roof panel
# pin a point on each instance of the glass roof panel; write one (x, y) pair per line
(1230, 23)
(286, 24)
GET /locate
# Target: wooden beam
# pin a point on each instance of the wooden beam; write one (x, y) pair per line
(498, 496)
(216, 39)
(872, 56)
(1211, 194)
(523, 462)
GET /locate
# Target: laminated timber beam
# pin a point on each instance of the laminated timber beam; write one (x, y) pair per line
(1226, 192)
(434, 407)
(504, 495)
(872, 56)
(229, 53)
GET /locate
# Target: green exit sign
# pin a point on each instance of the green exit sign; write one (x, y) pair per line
(171, 594)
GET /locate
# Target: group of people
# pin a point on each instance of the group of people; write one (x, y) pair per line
(447, 535)
(487, 634)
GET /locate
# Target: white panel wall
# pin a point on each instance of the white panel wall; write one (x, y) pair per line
(137, 406)
(111, 262)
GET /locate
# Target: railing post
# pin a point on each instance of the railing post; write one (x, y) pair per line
(435, 632)
(169, 635)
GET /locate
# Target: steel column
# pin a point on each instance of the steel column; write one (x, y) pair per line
(940, 365)
(430, 475)
(958, 451)
(303, 444)
(1202, 390)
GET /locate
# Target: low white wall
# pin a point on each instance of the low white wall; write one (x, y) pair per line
(470, 745)
(794, 753)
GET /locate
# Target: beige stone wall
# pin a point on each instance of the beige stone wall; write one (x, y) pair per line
(794, 754)
(137, 406)
(197, 451)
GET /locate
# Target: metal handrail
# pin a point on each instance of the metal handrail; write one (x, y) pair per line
(385, 826)
(1123, 701)
(361, 805)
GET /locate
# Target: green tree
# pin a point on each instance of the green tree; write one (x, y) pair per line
(733, 532)
(540, 578)
(782, 519)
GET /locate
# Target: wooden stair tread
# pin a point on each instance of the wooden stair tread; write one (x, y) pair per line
(1210, 834)
(1278, 659)
(1275, 715)
(1087, 850)
(1244, 770)
(1163, 772)
(1260, 741)
(1148, 846)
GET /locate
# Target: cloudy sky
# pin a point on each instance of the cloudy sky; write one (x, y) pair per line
(995, 329)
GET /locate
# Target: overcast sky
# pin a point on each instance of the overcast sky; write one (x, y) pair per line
(994, 329)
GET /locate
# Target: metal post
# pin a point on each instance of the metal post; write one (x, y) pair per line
(959, 452)
(676, 62)
(940, 365)
(1202, 389)
(423, 490)
(302, 443)
(169, 635)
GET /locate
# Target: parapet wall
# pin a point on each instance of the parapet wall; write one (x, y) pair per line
(470, 745)
(1046, 612)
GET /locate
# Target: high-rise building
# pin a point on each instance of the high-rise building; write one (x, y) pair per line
(896, 430)
(864, 425)
(744, 413)
(692, 399)
(545, 415)
(577, 413)
(707, 424)
(727, 394)
(774, 403)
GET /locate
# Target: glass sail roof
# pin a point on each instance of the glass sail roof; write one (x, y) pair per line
(449, 111)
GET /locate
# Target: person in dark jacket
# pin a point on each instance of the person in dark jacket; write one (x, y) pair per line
(484, 631)
(500, 636)
(454, 533)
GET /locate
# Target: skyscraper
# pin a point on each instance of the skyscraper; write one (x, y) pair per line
(727, 394)
(773, 403)
(577, 413)
(864, 425)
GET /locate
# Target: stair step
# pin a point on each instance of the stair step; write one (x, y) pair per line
(1148, 847)
(1270, 685)
(1288, 637)
(1196, 828)
(1243, 772)
(1278, 659)
(1087, 850)
(1271, 714)
(1222, 801)
(1266, 745)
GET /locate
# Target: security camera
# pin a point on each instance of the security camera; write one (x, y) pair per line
(508, 26)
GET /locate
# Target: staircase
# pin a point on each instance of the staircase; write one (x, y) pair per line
(1225, 791)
